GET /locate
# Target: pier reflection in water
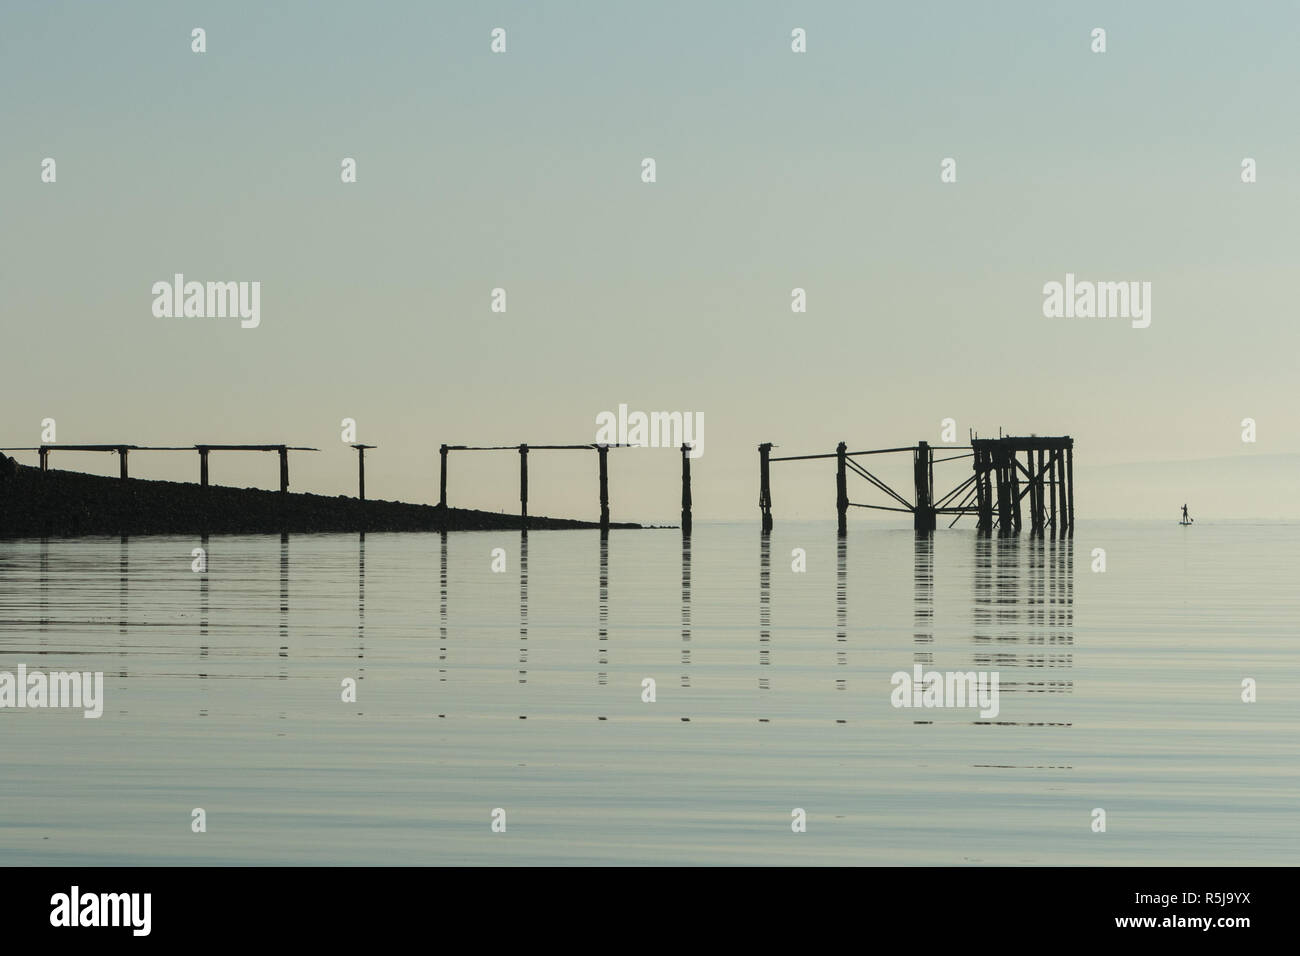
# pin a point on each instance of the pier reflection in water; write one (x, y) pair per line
(259, 644)
(602, 613)
(686, 611)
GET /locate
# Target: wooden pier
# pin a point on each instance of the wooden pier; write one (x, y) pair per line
(122, 451)
(602, 459)
(994, 492)
(1048, 472)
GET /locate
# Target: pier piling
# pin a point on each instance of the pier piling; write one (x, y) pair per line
(361, 470)
(1004, 466)
(923, 516)
(523, 487)
(764, 485)
(1013, 471)
(686, 490)
(841, 488)
(602, 453)
(1036, 488)
(442, 478)
(1052, 489)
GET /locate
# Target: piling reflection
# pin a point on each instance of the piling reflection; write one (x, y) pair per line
(523, 607)
(764, 606)
(442, 607)
(284, 607)
(1019, 601)
(361, 606)
(983, 603)
(123, 563)
(602, 613)
(923, 598)
(923, 604)
(1023, 617)
(44, 617)
(203, 591)
(686, 610)
(205, 613)
(841, 612)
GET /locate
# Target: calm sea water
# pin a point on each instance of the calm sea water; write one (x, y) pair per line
(522, 690)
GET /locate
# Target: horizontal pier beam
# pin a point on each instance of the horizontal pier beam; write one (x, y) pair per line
(1025, 443)
(59, 446)
(590, 446)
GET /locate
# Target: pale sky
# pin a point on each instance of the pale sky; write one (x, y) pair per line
(775, 170)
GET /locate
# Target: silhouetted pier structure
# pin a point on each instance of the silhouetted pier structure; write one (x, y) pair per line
(122, 451)
(993, 492)
(602, 457)
(1048, 472)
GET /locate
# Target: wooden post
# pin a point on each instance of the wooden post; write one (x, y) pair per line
(1006, 523)
(1069, 467)
(764, 486)
(1061, 484)
(1013, 467)
(923, 518)
(523, 487)
(1030, 491)
(121, 461)
(987, 469)
(1042, 498)
(45, 459)
(442, 478)
(203, 465)
(1051, 488)
(686, 490)
(918, 483)
(1029, 485)
(1060, 494)
(996, 454)
(284, 469)
(602, 453)
(983, 509)
(361, 470)
(988, 489)
(1065, 485)
(930, 484)
(990, 505)
(841, 488)
(1045, 488)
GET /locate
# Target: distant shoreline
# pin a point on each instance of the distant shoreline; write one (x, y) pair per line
(57, 503)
